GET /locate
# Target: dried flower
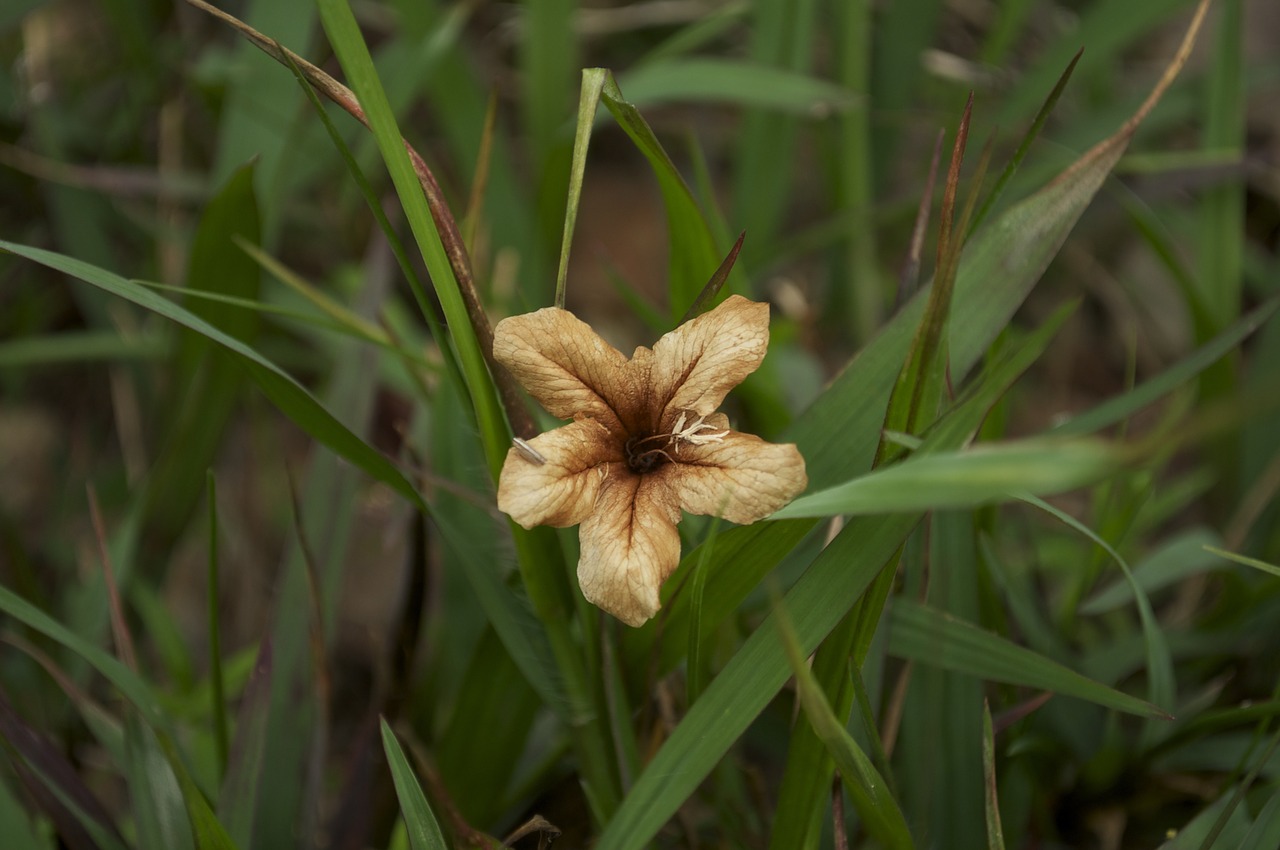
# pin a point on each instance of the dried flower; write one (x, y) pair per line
(644, 444)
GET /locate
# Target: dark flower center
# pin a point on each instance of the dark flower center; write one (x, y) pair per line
(647, 452)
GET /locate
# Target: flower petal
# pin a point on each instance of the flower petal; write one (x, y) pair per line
(565, 365)
(629, 546)
(563, 490)
(696, 365)
(740, 477)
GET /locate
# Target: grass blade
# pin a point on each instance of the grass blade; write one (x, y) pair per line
(292, 399)
(424, 831)
(868, 789)
(928, 636)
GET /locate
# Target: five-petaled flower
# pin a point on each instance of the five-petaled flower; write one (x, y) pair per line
(645, 443)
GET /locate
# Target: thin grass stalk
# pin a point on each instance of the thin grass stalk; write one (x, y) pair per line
(217, 684)
(866, 301)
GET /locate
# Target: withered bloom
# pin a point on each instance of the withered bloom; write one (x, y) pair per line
(645, 442)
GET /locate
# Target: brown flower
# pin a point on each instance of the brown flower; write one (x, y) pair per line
(644, 444)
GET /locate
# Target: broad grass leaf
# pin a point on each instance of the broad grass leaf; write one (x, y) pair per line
(239, 798)
(1265, 832)
(718, 80)
(424, 831)
(492, 714)
(984, 474)
(159, 815)
(15, 822)
(929, 636)
(830, 587)
(125, 680)
(1121, 407)
(207, 382)
(1207, 831)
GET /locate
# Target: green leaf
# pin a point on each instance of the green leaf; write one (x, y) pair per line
(987, 473)
(995, 832)
(1245, 560)
(160, 816)
(1119, 408)
(709, 79)
(1265, 832)
(869, 791)
(15, 822)
(929, 636)
(424, 832)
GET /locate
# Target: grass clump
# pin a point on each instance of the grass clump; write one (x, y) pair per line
(1028, 597)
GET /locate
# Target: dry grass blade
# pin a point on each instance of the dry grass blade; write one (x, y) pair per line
(124, 642)
(909, 280)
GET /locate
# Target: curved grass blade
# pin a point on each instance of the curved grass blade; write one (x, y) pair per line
(1160, 678)
(929, 636)
(1245, 560)
(292, 399)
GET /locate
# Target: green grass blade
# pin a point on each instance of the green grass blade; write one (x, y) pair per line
(292, 399)
(160, 816)
(1160, 678)
(985, 474)
(125, 680)
(1265, 832)
(869, 791)
(1189, 553)
(1245, 560)
(1119, 408)
(349, 45)
(217, 689)
(15, 823)
(995, 832)
(207, 382)
(928, 636)
(424, 832)
(79, 347)
(715, 80)
(592, 85)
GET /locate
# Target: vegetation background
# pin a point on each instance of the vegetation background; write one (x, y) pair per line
(249, 554)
